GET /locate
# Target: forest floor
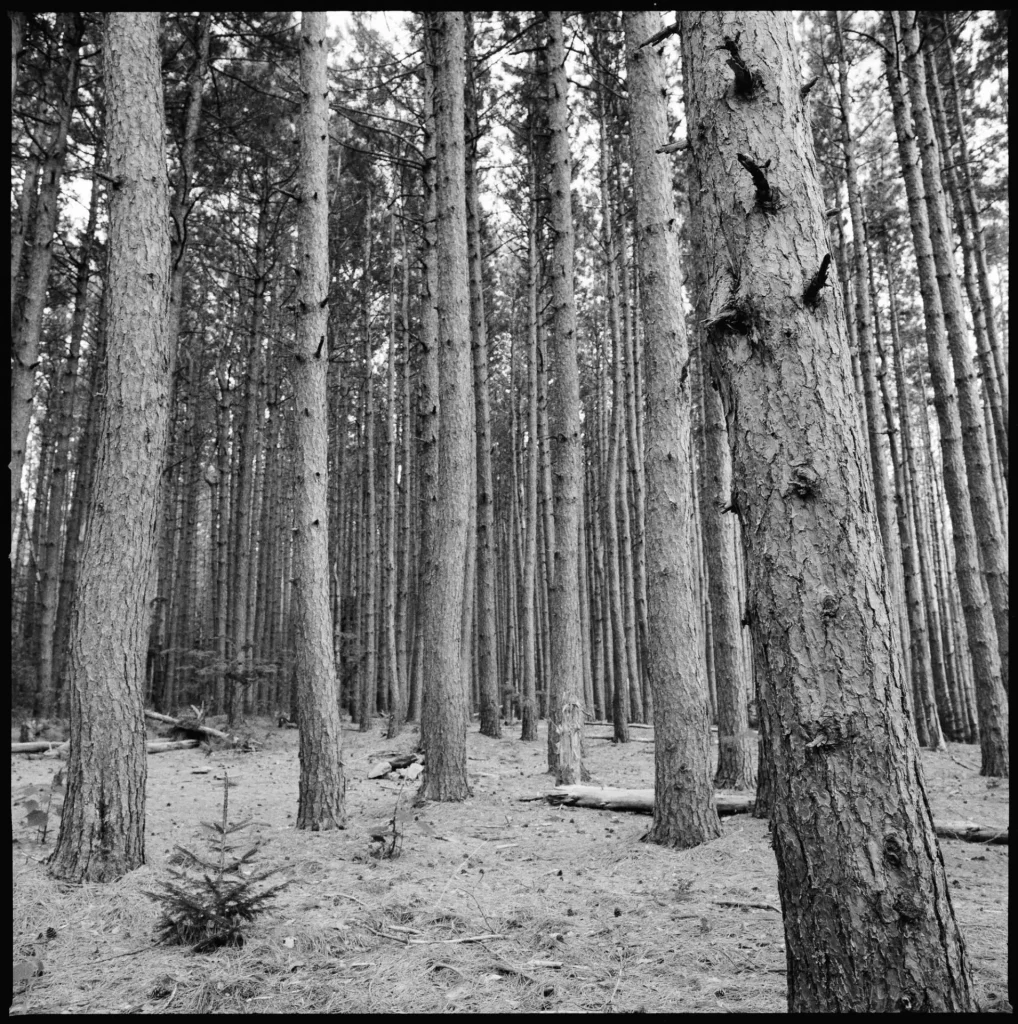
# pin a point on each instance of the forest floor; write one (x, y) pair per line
(494, 905)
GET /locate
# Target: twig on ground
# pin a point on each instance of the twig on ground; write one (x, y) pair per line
(750, 906)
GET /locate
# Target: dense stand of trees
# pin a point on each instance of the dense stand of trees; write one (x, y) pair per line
(371, 386)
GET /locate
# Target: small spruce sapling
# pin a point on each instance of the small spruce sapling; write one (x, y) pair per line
(212, 910)
(38, 816)
(391, 838)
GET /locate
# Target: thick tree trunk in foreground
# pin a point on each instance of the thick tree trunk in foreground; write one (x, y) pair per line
(868, 917)
(102, 829)
(322, 788)
(444, 713)
(683, 813)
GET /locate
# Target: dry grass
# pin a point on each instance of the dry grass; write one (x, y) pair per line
(500, 906)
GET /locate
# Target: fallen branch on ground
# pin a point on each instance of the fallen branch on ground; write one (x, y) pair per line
(191, 726)
(61, 749)
(641, 801)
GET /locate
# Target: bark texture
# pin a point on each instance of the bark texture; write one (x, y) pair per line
(102, 828)
(684, 813)
(565, 713)
(444, 712)
(321, 800)
(868, 917)
(980, 620)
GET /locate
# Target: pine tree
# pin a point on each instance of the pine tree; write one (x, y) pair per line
(830, 667)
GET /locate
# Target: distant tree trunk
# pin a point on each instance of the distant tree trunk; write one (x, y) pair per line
(609, 497)
(394, 682)
(444, 714)
(638, 518)
(427, 394)
(406, 559)
(21, 223)
(528, 614)
(487, 681)
(975, 442)
(997, 367)
(50, 569)
(85, 459)
(874, 420)
(960, 472)
(242, 505)
(369, 551)
(736, 745)
(627, 572)
(17, 24)
(221, 561)
(28, 320)
(833, 687)
(321, 800)
(102, 828)
(684, 811)
(921, 662)
(997, 433)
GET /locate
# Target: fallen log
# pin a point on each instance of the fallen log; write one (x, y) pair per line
(61, 749)
(972, 833)
(632, 725)
(158, 746)
(190, 726)
(34, 746)
(641, 801)
(632, 739)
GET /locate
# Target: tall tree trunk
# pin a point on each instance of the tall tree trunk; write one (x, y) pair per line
(28, 320)
(833, 687)
(102, 828)
(444, 714)
(736, 744)
(971, 203)
(394, 682)
(875, 424)
(369, 551)
(428, 383)
(51, 554)
(981, 618)
(921, 664)
(997, 434)
(684, 811)
(487, 681)
(17, 26)
(528, 614)
(974, 439)
(609, 497)
(243, 495)
(565, 703)
(321, 793)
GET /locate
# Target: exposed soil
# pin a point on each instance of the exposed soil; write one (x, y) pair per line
(494, 905)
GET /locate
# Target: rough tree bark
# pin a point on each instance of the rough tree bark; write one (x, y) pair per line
(102, 828)
(684, 813)
(565, 704)
(981, 618)
(322, 788)
(444, 712)
(868, 917)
